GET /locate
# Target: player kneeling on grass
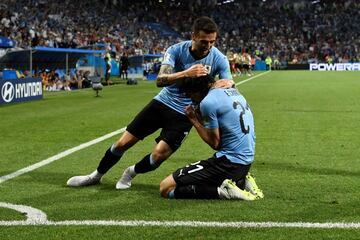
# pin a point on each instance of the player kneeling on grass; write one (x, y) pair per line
(227, 125)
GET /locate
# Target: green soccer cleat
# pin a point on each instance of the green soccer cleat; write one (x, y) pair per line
(252, 187)
(229, 190)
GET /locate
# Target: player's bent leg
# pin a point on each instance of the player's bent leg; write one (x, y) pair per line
(167, 185)
(126, 141)
(110, 158)
(152, 161)
(149, 163)
(161, 152)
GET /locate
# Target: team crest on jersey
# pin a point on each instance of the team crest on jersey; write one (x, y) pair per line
(208, 68)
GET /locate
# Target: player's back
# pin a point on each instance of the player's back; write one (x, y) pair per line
(235, 121)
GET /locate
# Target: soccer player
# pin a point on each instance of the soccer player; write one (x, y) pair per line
(226, 124)
(188, 59)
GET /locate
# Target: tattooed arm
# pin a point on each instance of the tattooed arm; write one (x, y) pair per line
(166, 76)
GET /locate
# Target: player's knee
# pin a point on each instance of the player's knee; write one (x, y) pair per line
(166, 186)
(164, 189)
(126, 141)
(161, 153)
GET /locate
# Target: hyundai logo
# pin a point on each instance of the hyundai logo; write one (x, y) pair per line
(8, 92)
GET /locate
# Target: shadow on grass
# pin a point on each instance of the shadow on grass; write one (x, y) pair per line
(302, 168)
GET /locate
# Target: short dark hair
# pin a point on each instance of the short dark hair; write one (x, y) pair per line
(196, 85)
(205, 24)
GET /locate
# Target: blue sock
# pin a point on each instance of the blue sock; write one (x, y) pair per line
(110, 158)
(116, 152)
(152, 162)
(171, 194)
(147, 164)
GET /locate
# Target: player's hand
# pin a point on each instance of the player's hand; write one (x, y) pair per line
(224, 83)
(190, 112)
(196, 70)
(193, 115)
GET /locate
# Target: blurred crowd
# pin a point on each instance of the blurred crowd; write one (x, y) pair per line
(289, 31)
(53, 81)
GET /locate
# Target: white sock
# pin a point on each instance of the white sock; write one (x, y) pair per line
(95, 174)
(132, 171)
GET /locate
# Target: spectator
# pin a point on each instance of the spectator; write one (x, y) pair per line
(107, 70)
(124, 62)
(268, 62)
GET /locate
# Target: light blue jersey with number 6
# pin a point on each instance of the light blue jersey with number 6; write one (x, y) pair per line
(179, 57)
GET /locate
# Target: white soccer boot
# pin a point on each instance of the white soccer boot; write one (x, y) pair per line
(86, 180)
(229, 190)
(126, 178)
(252, 187)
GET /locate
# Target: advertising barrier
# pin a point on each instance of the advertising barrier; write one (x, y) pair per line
(335, 67)
(20, 90)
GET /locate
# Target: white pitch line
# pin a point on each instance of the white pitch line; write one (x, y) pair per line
(141, 223)
(37, 217)
(59, 156)
(80, 147)
(249, 79)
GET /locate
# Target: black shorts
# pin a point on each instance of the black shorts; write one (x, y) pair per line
(175, 126)
(210, 172)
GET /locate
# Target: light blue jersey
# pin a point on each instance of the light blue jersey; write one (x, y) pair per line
(228, 110)
(179, 57)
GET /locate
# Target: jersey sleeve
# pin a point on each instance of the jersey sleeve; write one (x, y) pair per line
(170, 56)
(208, 113)
(224, 68)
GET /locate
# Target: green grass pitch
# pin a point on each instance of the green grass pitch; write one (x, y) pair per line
(307, 163)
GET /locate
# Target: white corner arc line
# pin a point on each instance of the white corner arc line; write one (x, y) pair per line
(34, 216)
(59, 156)
(249, 79)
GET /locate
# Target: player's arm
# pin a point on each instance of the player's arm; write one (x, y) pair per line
(166, 76)
(224, 75)
(224, 83)
(210, 136)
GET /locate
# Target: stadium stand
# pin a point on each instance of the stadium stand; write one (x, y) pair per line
(291, 31)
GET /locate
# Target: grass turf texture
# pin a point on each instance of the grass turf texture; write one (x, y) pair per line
(306, 161)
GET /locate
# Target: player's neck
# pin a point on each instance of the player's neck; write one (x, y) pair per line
(197, 55)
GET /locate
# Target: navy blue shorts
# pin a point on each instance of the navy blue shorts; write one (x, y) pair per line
(156, 115)
(212, 171)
